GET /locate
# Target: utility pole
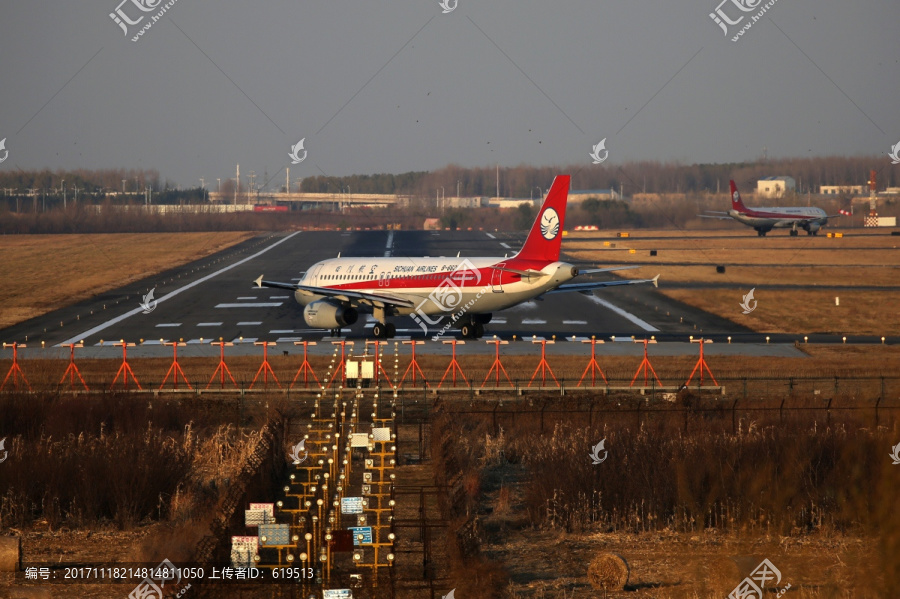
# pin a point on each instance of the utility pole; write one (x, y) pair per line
(498, 181)
(64, 193)
(237, 183)
(287, 181)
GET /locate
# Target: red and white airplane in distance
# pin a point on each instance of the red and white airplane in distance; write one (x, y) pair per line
(765, 219)
(333, 292)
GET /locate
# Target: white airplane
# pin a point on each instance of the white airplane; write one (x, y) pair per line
(334, 292)
(765, 219)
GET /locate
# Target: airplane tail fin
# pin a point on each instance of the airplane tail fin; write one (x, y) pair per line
(545, 237)
(736, 202)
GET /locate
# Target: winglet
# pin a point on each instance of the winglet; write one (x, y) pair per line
(259, 281)
(655, 281)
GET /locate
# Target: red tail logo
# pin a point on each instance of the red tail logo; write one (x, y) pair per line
(736, 201)
(545, 238)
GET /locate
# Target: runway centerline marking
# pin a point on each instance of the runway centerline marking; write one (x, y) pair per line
(249, 323)
(209, 324)
(172, 294)
(251, 305)
(627, 315)
(534, 321)
(168, 325)
(247, 297)
(582, 322)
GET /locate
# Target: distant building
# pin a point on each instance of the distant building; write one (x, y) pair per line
(775, 187)
(475, 202)
(580, 195)
(842, 189)
(513, 203)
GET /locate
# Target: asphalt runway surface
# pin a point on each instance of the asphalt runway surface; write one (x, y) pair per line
(215, 298)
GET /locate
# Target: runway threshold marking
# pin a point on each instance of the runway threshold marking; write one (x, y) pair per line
(491, 236)
(627, 315)
(506, 246)
(172, 294)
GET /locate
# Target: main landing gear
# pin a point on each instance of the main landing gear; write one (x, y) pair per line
(383, 330)
(472, 330)
(762, 232)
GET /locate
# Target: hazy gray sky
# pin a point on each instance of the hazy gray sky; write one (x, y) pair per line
(394, 86)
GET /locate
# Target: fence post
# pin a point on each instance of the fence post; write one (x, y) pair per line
(734, 415)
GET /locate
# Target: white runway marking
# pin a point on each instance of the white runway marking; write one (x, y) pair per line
(389, 246)
(627, 315)
(506, 246)
(281, 332)
(155, 342)
(209, 324)
(534, 321)
(288, 339)
(246, 340)
(278, 297)
(574, 322)
(249, 323)
(172, 294)
(247, 297)
(491, 236)
(197, 341)
(296, 278)
(498, 321)
(251, 305)
(168, 325)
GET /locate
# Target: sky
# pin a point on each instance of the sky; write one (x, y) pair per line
(396, 85)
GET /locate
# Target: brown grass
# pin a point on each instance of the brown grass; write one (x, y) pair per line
(45, 272)
(815, 499)
(768, 264)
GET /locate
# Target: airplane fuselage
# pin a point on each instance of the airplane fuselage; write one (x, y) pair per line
(780, 217)
(437, 286)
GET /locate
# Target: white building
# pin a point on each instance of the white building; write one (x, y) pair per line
(842, 189)
(775, 187)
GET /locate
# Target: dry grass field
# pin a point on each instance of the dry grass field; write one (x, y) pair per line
(45, 272)
(796, 278)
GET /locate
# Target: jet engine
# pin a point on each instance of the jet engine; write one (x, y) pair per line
(323, 314)
(813, 228)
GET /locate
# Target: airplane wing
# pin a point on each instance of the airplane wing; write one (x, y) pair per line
(588, 287)
(717, 217)
(591, 271)
(346, 295)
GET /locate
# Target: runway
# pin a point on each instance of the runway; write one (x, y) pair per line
(215, 298)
